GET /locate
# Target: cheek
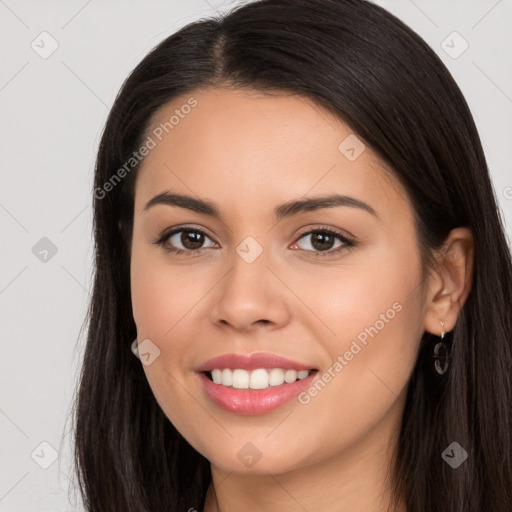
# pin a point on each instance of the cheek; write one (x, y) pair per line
(162, 295)
(372, 358)
(371, 316)
(161, 299)
(367, 288)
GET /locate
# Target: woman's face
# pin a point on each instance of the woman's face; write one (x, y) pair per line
(265, 278)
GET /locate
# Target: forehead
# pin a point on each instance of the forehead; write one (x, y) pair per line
(258, 146)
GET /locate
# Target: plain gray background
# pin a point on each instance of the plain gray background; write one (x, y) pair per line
(53, 108)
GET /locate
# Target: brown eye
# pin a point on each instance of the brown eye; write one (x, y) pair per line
(321, 240)
(191, 239)
(185, 240)
(324, 242)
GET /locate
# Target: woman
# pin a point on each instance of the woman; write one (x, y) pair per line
(296, 228)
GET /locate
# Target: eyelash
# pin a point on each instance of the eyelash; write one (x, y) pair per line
(347, 241)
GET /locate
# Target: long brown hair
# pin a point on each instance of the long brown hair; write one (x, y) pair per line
(383, 80)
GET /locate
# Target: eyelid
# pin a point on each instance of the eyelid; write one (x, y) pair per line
(348, 240)
(167, 233)
(339, 232)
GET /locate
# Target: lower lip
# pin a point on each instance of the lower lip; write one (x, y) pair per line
(254, 401)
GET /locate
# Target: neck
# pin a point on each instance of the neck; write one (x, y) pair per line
(357, 478)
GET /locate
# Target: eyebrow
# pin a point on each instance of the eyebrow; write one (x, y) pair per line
(282, 211)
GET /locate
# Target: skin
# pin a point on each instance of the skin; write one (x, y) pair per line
(248, 152)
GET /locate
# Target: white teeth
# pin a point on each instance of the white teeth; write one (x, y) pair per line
(290, 376)
(227, 377)
(217, 376)
(240, 379)
(302, 374)
(276, 377)
(256, 379)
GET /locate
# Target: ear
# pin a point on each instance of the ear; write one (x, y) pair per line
(450, 281)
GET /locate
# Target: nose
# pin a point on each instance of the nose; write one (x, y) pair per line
(250, 295)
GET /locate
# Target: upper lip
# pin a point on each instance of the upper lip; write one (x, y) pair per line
(252, 362)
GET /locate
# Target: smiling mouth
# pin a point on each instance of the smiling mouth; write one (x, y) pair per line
(260, 378)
